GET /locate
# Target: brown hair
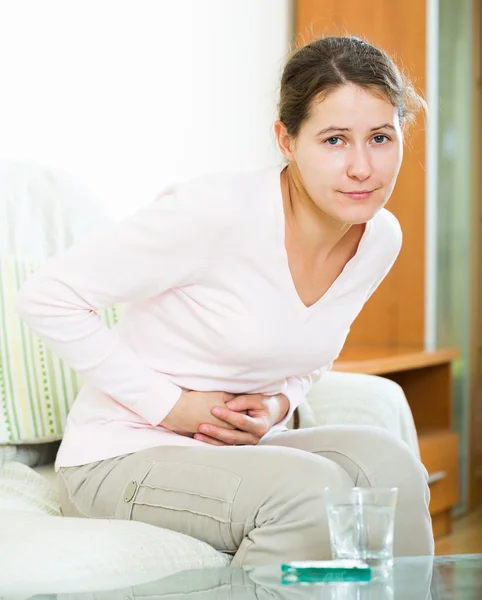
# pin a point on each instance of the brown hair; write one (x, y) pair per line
(325, 64)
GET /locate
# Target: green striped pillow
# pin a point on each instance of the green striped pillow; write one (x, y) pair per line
(36, 388)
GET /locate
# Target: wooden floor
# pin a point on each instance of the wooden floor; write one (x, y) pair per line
(466, 537)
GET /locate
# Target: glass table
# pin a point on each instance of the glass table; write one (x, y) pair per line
(420, 578)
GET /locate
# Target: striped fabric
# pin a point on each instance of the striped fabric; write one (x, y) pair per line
(36, 388)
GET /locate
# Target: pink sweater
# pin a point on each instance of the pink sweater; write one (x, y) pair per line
(210, 305)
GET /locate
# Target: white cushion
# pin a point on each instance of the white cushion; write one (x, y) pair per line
(355, 398)
(28, 454)
(44, 553)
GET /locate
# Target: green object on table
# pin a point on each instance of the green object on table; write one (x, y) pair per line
(324, 571)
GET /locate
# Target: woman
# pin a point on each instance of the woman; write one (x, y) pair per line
(240, 292)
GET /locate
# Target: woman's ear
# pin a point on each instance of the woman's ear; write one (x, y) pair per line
(285, 141)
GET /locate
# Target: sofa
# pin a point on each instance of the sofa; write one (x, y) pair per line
(44, 553)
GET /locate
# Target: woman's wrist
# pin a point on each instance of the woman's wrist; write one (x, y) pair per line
(284, 407)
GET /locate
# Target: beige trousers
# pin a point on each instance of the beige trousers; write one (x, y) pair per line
(264, 503)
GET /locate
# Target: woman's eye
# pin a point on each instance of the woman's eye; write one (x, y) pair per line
(380, 139)
(333, 141)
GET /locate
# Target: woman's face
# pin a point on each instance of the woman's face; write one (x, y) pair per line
(349, 153)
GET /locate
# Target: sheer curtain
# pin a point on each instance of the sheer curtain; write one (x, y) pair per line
(454, 197)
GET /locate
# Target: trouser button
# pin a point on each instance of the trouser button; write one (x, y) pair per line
(130, 491)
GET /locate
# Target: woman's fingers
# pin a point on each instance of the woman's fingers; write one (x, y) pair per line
(208, 440)
(227, 436)
(257, 425)
(246, 402)
(236, 419)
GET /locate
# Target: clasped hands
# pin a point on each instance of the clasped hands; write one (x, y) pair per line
(223, 419)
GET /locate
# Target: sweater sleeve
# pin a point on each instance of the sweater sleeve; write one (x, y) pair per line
(154, 250)
(296, 389)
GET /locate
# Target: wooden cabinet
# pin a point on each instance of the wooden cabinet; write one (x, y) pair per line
(440, 453)
(425, 377)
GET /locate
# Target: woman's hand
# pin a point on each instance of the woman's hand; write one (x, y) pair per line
(194, 408)
(250, 416)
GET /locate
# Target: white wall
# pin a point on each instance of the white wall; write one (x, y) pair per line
(130, 95)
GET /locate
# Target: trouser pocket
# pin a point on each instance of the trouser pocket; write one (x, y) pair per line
(191, 499)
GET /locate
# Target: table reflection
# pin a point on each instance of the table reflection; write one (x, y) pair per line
(264, 583)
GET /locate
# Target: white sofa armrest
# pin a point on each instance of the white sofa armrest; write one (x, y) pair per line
(355, 398)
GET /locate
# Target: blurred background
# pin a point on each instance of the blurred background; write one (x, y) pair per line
(132, 95)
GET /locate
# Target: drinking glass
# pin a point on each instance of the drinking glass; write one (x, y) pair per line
(361, 522)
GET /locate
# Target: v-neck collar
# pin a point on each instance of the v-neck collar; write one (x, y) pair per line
(303, 310)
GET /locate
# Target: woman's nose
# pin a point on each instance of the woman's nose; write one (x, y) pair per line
(360, 166)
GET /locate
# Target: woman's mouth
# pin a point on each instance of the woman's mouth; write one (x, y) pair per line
(359, 194)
